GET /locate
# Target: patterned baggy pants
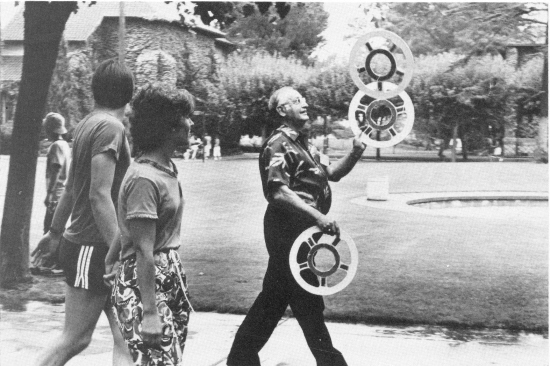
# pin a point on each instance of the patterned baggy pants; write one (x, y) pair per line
(172, 305)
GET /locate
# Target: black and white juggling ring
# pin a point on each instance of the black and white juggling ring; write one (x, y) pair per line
(392, 120)
(313, 240)
(400, 68)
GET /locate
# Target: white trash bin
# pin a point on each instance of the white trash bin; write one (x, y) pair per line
(378, 188)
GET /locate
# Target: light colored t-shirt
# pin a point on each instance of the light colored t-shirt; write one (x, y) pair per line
(59, 153)
(150, 191)
(97, 133)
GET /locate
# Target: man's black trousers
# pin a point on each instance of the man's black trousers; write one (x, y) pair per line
(280, 290)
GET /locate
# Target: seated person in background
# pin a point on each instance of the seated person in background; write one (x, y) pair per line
(194, 145)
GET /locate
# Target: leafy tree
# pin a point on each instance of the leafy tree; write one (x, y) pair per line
(468, 97)
(79, 96)
(224, 14)
(470, 29)
(424, 26)
(490, 27)
(497, 24)
(329, 90)
(70, 89)
(247, 81)
(473, 30)
(478, 100)
(296, 34)
(57, 92)
(44, 25)
(235, 98)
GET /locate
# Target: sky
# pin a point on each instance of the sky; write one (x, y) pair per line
(340, 15)
(7, 9)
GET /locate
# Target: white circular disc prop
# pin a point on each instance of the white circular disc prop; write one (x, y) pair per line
(398, 126)
(359, 64)
(329, 243)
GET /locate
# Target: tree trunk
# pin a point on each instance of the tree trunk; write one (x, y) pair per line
(2, 100)
(378, 150)
(542, 136)
(121, 33)
(453, 148)
(462, 138)
(264, 133)
(325, 138)
(44, 25)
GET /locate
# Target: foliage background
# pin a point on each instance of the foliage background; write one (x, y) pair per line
(461, 77)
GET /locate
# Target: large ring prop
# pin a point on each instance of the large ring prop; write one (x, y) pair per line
(397, 125)
(359, 65)
(329, 243)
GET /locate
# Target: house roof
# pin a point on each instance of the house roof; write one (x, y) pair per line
(82, 24)
(11, 68)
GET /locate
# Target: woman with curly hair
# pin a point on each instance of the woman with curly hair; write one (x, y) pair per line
(149, 296)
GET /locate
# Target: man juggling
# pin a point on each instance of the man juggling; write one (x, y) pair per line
(295, 178)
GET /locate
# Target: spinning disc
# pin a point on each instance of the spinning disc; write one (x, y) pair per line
(368, 48)
(310, 244)
(391, 119)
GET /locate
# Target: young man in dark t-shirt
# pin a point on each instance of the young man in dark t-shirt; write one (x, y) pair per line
(100, 158)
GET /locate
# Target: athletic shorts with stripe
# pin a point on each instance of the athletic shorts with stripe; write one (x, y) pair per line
(84, 266)
(173, 307)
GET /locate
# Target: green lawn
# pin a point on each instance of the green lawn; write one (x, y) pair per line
(414, 269)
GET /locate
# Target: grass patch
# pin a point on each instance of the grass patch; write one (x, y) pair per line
(421, 269)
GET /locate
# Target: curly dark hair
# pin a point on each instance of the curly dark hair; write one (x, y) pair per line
(156, 109)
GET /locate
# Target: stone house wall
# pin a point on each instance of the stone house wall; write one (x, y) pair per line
(145, 35)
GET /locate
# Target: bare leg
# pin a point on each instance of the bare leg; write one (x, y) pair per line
(82, 310)
(121, 354)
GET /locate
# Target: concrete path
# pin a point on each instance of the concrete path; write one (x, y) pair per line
(24, 334)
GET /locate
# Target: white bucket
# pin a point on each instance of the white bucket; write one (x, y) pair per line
(378, 188)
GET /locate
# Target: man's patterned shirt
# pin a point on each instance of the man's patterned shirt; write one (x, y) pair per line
(288, 159)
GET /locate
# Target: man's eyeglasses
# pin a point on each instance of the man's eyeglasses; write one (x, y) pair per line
(298, 100)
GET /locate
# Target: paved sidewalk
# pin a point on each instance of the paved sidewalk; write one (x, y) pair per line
(24, 334)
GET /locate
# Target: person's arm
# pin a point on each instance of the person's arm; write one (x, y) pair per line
(49, 242)
(143, 234)
(56, 158)
(284, 197)
(111, 261)
(103, 208)
(343, 166)
(54, 176)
